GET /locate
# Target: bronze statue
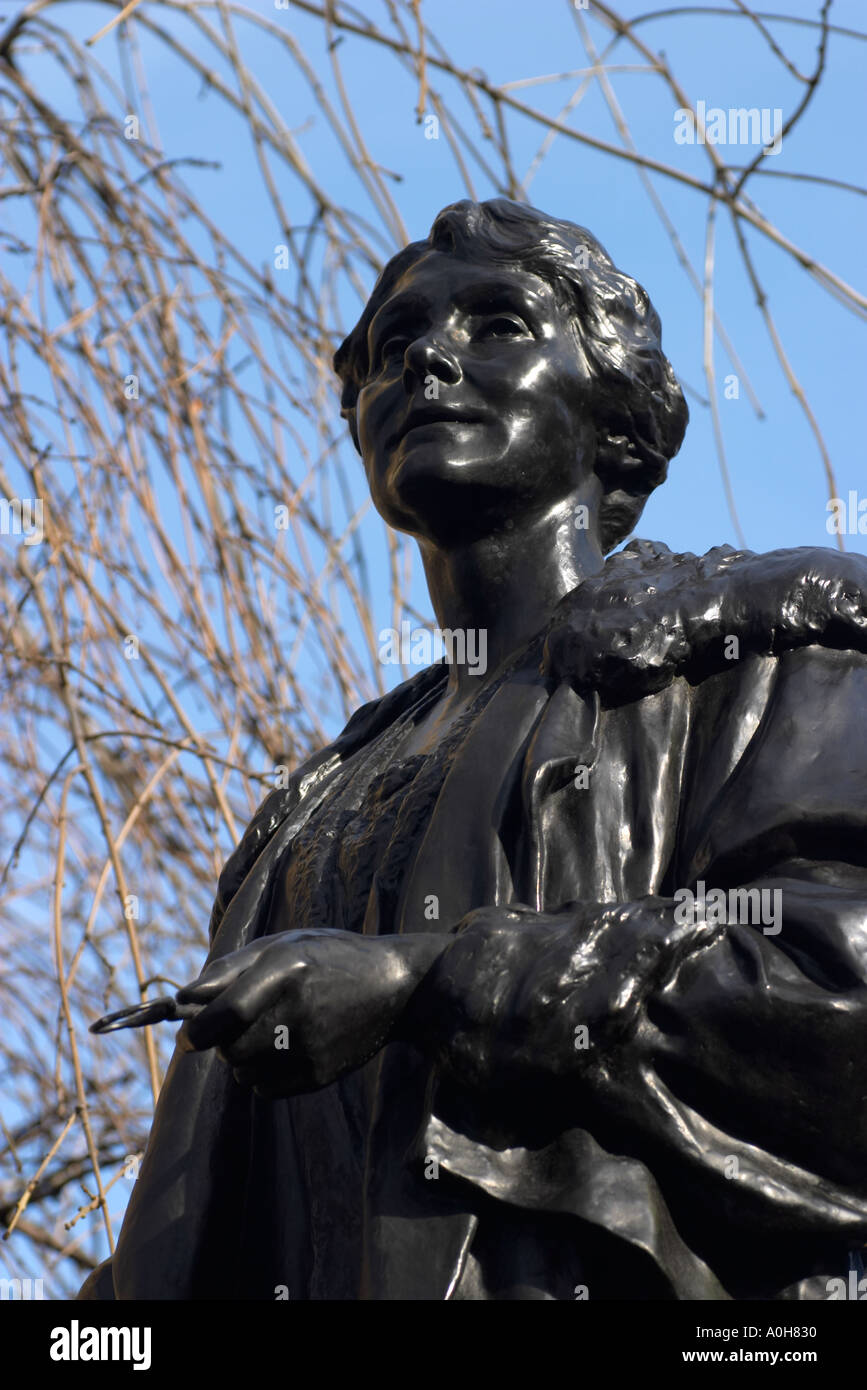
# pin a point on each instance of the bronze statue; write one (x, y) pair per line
(547, 981)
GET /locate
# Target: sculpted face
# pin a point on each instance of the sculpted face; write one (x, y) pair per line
(475, 411)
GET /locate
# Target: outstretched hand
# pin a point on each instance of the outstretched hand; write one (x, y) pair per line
(294, 1011)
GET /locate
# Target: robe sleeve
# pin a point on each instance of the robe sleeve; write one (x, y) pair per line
(727, 1056)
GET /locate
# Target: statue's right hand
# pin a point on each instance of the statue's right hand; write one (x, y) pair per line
(294, 1011)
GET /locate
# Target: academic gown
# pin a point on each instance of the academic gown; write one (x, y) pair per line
(682, 721)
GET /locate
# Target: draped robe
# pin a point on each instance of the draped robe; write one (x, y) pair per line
(719, 1150)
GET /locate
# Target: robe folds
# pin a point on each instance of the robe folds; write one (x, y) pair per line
(683, 723)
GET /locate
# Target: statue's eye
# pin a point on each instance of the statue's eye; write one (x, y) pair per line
(393, 347)
(502, 326)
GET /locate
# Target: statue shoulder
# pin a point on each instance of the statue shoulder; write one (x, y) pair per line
(651, 614)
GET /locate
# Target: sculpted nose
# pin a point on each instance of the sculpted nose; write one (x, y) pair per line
(429, 357)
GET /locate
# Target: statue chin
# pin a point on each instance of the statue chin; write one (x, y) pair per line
(421, 454)
(441, 498)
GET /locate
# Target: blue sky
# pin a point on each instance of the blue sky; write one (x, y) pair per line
(776, 471)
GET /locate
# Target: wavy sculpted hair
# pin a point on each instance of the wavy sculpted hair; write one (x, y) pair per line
(639, 410)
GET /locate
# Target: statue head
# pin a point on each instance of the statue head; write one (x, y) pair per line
(496, 364)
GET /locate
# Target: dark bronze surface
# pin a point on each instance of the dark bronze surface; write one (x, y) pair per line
(517, 1067)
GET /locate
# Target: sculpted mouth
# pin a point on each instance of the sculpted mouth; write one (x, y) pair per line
(434, 415)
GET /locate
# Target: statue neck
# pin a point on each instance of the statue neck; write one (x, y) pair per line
(503, 587)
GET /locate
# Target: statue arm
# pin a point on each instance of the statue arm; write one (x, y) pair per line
(664, 1029)
(735, 1052)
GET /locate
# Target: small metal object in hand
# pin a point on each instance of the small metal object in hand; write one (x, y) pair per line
(163, 1010)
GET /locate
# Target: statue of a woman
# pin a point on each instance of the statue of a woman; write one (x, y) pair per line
(546, 981)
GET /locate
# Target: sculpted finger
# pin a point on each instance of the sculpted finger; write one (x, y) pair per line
(267, 1043)
(213, 980)
(682, 935)
(651, 946)
(229, 1015)
(219, 974)
(682, 938)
